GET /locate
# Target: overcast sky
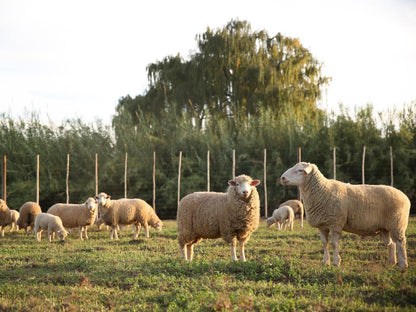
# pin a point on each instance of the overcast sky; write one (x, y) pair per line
(65, 59)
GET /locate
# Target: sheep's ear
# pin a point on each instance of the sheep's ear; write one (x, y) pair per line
(255, 182)
(308, 168)
(231, 183)
(108, 196)
(96, 197)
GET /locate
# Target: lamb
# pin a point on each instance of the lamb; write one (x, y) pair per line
(127, 211)
(282, 216)
(297, 207)
(46, 221)
(76, 215)
(6, 217)
(233, 215)
(28, 212)
(366, 210)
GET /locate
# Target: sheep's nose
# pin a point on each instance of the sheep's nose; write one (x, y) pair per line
(282, 179)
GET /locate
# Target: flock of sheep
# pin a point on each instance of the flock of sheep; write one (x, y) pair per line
(330, 206)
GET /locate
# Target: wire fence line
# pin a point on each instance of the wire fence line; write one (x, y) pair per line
(264, 190)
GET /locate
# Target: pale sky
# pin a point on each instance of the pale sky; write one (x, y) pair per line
(66, 59)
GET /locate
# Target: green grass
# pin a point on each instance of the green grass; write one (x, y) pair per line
(283, 273)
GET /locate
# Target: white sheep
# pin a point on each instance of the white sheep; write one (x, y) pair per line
(366, 210)
(233, 216)
(28, 212)
(46, 221)
(76, 215)
(6, 217)
(297, 207)
(127, 211)
(282, 216)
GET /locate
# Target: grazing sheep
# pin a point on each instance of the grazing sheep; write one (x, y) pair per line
(366, 210)
(233, 216)
(282, 216)
(28, 212)
(46, 221)
(76, 215)
(127, 211)
(297, 207)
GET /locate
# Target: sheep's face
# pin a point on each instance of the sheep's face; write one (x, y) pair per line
(269, 222)
(158, 226)
(3, 205)
(92, 205)
(102, 199)
(62, 234)
(296, 175)
(243, 185)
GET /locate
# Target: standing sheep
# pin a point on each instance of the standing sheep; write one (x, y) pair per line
(76, 215)
(46, 221)
(127, 211)
(28, 212)
(297, 207)
(282, 216)
(233, 216)
(367, 210)
(5, 217)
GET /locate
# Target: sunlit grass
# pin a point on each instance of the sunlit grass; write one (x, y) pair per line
(284, 272)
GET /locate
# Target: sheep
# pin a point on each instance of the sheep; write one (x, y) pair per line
(127, 211)
(28, 212)
(15, 216)
(366, 210)
(76, 215)
(5, 216)
(297, 207)
(282, 216)
(233, 215)
(46, 221)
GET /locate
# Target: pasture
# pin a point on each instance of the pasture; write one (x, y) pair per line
(283, 273)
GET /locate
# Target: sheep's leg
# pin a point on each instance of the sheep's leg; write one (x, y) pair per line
(50, 236)
(184, 254)
(324, 238)
(335, 244)
(391, 246)
(2, 230)
(137, 230)
(38, 235)
(279, 225)
(401, 252)
(114, 232)
(242, 253)
(301, 218)
(146, 230)
(190, 251)
(85, 231)
(233, 253)
(80, 233)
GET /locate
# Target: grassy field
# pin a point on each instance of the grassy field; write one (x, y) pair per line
(283, 273)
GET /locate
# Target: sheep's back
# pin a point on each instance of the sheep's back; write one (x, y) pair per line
(72, 215)
(375, 207)
(201, 213)
(128, 211)
(28, 212)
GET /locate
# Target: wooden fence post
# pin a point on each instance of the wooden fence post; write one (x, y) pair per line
(67, 178)
(233, 164)
(335, 162)
(208, 173)
(37, 179)
(363, 167)
(4, 179)
(125, 176)
(96, 174)
(299, 160)
(179, 176)
(391, 166)
(265, 184)
(154, 181)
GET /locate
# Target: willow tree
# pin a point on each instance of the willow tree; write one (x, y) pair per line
(234, 73)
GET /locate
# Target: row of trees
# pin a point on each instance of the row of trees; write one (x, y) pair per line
(241, 90)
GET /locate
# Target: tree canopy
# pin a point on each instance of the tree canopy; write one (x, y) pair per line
(235, 73)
